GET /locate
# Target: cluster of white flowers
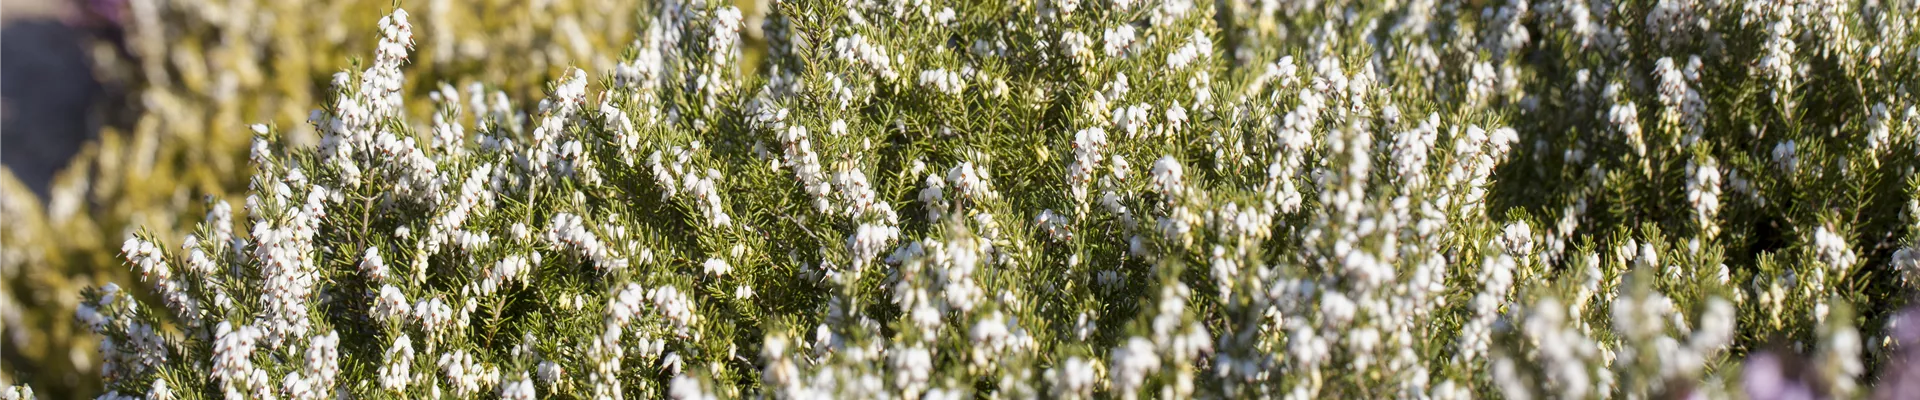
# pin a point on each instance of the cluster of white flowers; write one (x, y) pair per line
(1118, 40)
(1197, 46)
(474, 194)
(391, 305)
(232, 363)
(706, 196)
(1566, 352)
(676, 307)
(569, 231)
(465, 376)
(1832, 251)
(941, 80)
(858, 50)
(322, 365)
(549, 145)
(518, 389)
(1132, 363)
(286, 253)
(1682, 101)
(1089, 147)
(373, 265)
(434, 316)
(972, 182)
(1055, 225)
(797, 148)
(146, 258)
(510, 270)
(382, 81)
(1461, 201)
(1703, 193)
(20, 392)
(396, 371)
(1476, 335)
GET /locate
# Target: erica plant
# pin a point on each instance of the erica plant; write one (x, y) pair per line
(1078, 199)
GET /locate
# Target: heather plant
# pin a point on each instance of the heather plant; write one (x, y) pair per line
(1556, 199)
(185, 81)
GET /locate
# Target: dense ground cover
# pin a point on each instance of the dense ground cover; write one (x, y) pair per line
(1557, 199)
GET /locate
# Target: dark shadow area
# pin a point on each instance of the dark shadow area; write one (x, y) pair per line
(47, 90)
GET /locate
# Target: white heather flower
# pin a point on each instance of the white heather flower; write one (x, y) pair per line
(1480, 84)
(615, 120)
(158, 391)
(373, 265)
(1564, 352)
(706, 197)
(322, 364)
(716, 267)
(911, 367)
(1879, 123)
(1176, 117)
(151, 263)
(723, 46)
(1076, 46)
(688, 388)
(1118, 40)
(971, 182)
(509, 270)
(797, 149)
(1517, 238)
(1906, 262)
(382, 82)
(857, 50)
(1066, 7)
(1072, 379)
(549, 372)
(1132, 119)
(285, 252)
(1088, 146)
(676, 307)
(1169, 179)
(232, 355)
(1196, 47)
(1476, 334)
(1703, 192)
(934, 197)
(433, 315)
(943, 81)
(569, 231)
(518, 389)
(1625, 121)
(1411, 150)
(1786, 157)
(1336, 309)
(1832, 250)
(1641, 317)
(1683, 103)
(857, 196)
(465, 375)
(1055, 225)
(868, 241)
(1131, 364)
(1777, 62)
(989, 336)
(1717, 327)
(944, 17)
(391, 305)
